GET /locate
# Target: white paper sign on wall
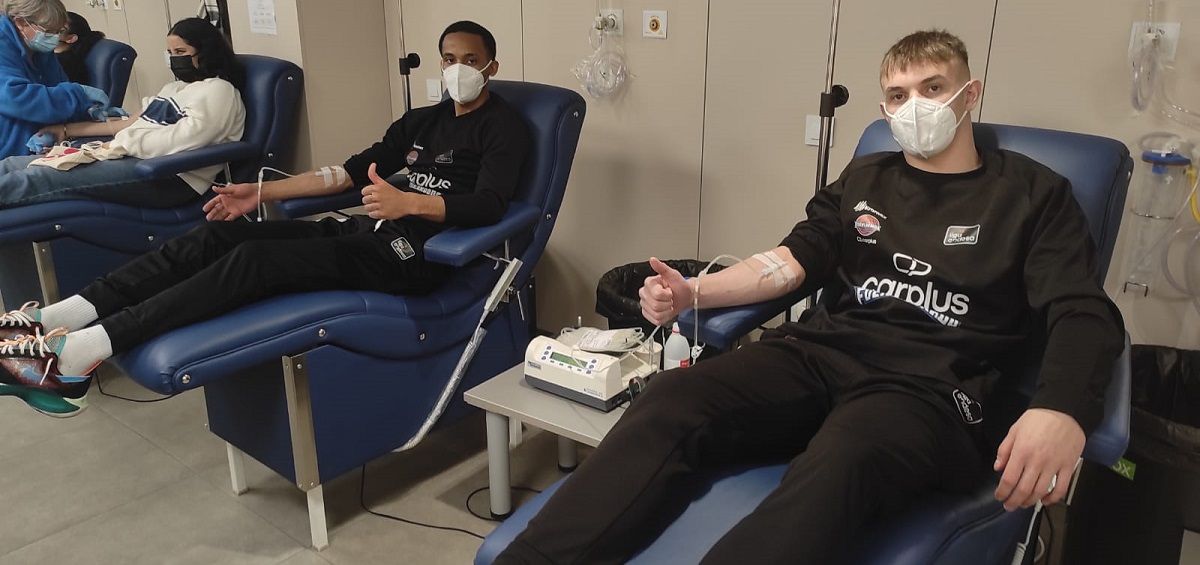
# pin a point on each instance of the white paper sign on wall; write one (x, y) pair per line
(262, 17)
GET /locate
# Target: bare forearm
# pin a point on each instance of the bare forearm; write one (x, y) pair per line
(96, 129)
(745, 283)
(302, 185)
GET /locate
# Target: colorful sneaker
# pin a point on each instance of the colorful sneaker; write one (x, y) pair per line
(29, 371)
(17, 323)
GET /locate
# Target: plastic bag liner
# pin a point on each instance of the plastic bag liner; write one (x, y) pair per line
(1165, 423)
(1138, 512)
(617, 292)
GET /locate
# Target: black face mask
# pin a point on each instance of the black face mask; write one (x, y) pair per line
(182, 67)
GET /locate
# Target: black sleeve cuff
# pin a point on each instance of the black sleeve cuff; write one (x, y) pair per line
(1086, 409)
(474, 209)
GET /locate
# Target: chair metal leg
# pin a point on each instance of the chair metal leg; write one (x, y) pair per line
(316, 518)
(499, 487)
(237, 470)
(568, 455)
(304, 447)
(47, 276)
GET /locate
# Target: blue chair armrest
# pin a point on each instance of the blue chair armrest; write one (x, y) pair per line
(458, 246)
(167, 165)
(721, 327)
(300, 207)
(1106, 444)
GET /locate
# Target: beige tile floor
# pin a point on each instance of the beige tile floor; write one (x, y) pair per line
(137, 483)
(147, 483)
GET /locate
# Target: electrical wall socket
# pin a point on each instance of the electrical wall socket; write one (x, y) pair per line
(812, 130)
(433, 90)
(1168, 33)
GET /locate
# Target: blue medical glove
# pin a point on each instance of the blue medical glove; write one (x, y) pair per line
(40, 143)
(97, 96)
(100, 114)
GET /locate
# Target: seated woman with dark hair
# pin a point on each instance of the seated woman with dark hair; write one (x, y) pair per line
(74, 45)
(201, 108)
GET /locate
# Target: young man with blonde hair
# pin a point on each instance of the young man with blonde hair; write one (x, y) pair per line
(942, 265)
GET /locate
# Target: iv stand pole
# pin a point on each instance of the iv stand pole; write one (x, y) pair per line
(407, 64)
(835, 95)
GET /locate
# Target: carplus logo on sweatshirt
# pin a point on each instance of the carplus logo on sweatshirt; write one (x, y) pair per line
(428, 184)
(936, 303)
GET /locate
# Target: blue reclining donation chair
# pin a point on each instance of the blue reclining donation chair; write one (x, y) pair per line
(88, 238)
(109, 65)
(941, 528)
(366, 373)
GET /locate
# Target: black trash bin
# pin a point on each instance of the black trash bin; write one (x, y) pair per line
(617, 292)
(1137, 512)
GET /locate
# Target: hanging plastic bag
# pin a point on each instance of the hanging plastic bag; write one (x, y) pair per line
(603, 73)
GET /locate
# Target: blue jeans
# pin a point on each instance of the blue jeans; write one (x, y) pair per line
(111, 181)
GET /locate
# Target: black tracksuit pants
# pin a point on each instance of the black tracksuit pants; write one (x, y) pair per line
(861, 444)
(220, 266)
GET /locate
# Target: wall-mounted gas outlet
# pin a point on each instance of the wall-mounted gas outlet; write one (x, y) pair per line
(1167, 33)
(612, 21)
(654, 24)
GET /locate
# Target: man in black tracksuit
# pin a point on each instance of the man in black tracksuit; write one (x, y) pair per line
(941, 266)
(463, 157)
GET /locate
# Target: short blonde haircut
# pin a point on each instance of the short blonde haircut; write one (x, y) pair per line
(924, 47)
(50, 14)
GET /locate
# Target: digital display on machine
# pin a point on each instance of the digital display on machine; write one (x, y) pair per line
(568, 360)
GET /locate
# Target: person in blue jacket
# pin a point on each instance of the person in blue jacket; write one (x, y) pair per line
(34, 90)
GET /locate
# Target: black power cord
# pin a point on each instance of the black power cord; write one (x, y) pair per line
(362, 501)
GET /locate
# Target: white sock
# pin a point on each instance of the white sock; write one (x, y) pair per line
(83, 349)
(73, 313)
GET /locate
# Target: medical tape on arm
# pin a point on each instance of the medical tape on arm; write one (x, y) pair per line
(778, 269)
(332, 176)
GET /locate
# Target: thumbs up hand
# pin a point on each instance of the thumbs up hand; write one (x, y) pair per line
(384, 201)
(665, 294)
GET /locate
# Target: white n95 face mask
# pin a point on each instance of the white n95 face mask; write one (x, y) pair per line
(464, 82)
(925, 127)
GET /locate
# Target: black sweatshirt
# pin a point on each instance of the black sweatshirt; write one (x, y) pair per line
(472, 161)
(955, 277)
